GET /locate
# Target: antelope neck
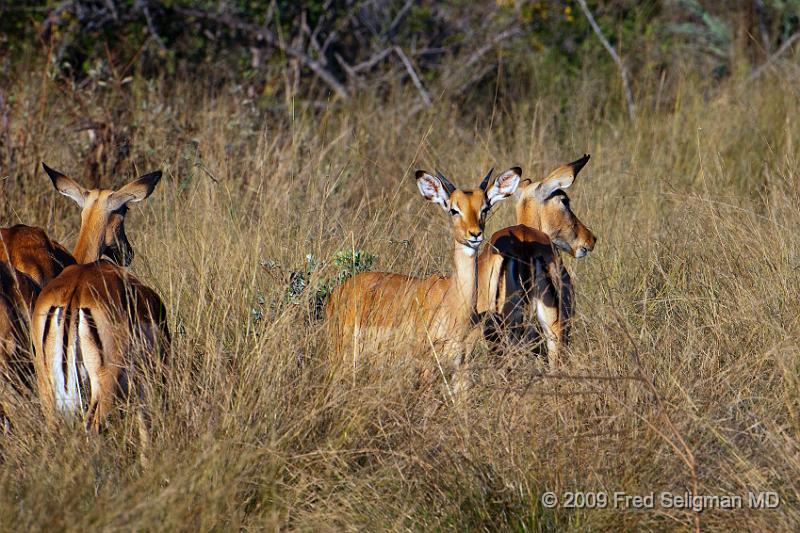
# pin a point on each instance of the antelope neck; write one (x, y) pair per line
(89, 245)
(534, 221)
(464, 289)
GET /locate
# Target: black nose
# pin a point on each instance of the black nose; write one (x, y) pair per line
(475, 234)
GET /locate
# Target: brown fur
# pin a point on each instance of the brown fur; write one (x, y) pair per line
(28, 249)
(113, 323)
(28, 260)
(376, 311)
(96, 321)
(17, 293)
(521, 269)
(504, 293)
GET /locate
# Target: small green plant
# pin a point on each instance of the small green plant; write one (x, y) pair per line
(351, 262)
(347, 263)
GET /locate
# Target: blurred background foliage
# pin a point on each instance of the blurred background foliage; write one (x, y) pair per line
(332, 50)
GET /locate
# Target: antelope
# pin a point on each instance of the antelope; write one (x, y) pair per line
(29, 250)
(28, 261)
(376, 308)
(18, 291)
(95, 324)
(521, 265)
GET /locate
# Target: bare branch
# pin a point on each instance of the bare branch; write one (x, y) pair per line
(787, 44)
(623, 70)
(345, 66)
(270, 38)
(466, 81)
(399, 18)
(322, 18)
(426, 98)
(372, 61)
(483, 50)
(144, 7)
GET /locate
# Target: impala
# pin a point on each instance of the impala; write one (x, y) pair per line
(28, 261)
(521, 267)
(17, 294)
(377, 309)
(28, 249)
(96, 324)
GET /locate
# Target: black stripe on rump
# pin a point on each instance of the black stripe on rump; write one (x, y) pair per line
(95, 335)
(47, 328)
(65, 344)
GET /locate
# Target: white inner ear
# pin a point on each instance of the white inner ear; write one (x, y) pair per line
(565, 181)
(119, 198)
(547, 187)
(433, 190)
(72, 190)
(503, 187)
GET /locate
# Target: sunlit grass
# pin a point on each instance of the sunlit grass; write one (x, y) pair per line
(683, 373)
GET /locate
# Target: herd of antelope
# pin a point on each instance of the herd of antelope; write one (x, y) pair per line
(80, 329)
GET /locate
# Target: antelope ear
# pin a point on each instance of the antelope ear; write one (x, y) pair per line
(432, 189)
(135, 191)
(66, 186)
(504, 185)
(560, 178)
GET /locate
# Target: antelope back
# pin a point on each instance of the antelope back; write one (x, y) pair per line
(92, 326)
(516, 273)
(517, 246)
(544, 205)
(29, 250)
(18, 291)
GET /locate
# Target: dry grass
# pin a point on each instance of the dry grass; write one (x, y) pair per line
(683, 373)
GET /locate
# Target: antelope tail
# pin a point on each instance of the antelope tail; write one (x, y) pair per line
(65, 361)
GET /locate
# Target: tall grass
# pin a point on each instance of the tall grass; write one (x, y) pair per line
(683, 373)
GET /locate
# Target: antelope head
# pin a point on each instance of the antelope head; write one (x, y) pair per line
(468, 207)
(545, 206)
(103, 215)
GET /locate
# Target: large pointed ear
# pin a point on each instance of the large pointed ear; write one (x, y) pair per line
(66, 186)
(135, 191)
(560, 178)
(433, 189)
(504, 185)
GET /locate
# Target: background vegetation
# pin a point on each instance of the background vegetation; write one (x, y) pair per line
(684, 372)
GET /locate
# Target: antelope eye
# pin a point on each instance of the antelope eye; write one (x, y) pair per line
(454, 212)
(565, 201)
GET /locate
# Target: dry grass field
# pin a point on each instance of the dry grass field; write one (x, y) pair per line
(683, 374)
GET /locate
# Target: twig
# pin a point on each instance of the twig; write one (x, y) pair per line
(318, 27)
(352, 71)
(426, 98)
(474, 58)
(145, 9)
(399, 18)
(480, 52)
(623, 70)
(55, 14)
(207, 172)
(774, 57)
(372, 61)
(112, 9)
